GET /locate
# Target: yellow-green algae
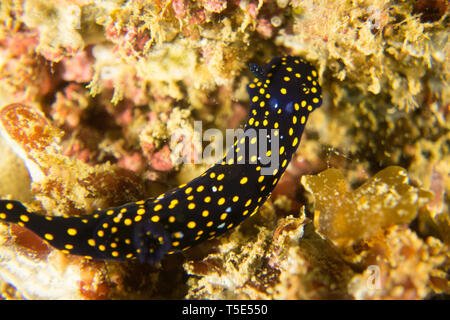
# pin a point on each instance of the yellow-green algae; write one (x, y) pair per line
(344, 216)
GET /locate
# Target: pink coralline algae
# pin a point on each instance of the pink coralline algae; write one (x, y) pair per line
(216, 6)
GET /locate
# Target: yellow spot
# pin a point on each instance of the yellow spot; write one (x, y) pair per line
(205, 213)
(65, 251)
(9, 206)
(191, 206)
(157, 207)
(297, 75)
(110, 212)
(230, 226)
(199, 189)
(155, 218)
(284, 163)
(173, 203)
(268, 153)
(262, 104)
(209, 224)
(303, 103)
(177, 235)
(220, 176)
(48, 236)
(235, 199)
(223, 216)
(275, 172)
(71, 231)
(256, 123)
(267, 96)
(294, 119)
(283, 91)
(127, 222)
(123, 210)
(140, 202)
(188, 190)
(265, 122)
(253, 159)
(315, 100)
(101, 247)
(48, 218)
(212, 175)
(281, 149)
(24, 218)
(276, 125)
(91, 242)
(289, 69)
(2, 216)
(191, 197)
(137, 218)
(115, 254)
(68, 246)
(171, 219)
(252, 85)
(176, 243)
(314, 73)
(255, 98)
(191, 224)
(296, 106)
(105, 225)
(100, 233)
(244, 180)
(253, 141)
(249, 201)
(261, 91)
(113, 229)
(221, 201)
(113, 245)
(294, 143)
(260, 179)
(245, 213)
(207, 199)
(275, 181)
(303, 120)
(286, 79)
(310, 108)
(291, 131)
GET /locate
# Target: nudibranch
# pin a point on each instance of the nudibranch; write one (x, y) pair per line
(283, 94)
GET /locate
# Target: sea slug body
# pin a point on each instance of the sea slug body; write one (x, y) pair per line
(283, 94)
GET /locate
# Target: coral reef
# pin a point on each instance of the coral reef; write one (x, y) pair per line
(92, 91)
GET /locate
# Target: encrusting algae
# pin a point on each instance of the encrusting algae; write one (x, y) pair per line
(344, 217)
(92, 91)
